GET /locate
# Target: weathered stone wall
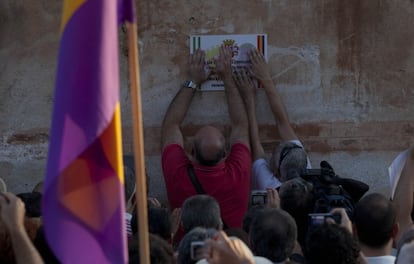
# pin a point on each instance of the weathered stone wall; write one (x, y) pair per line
(344, 68)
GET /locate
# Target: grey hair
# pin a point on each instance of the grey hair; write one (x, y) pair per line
(288, 155)
(196, 234)
(273, 233)
(200, 211)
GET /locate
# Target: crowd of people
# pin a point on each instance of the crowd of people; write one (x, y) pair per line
(228, 203)
(280, 208)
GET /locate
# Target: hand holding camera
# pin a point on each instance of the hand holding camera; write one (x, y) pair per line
(335, 216)
(224, 249)
(270, 198)
(320, 218)
(344, 219)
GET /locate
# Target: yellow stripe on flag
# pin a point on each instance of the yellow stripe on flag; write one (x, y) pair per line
(69, 7)
(113, 143)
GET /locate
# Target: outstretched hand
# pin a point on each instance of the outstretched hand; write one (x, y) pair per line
(12, 213)
(196, 71)
(245, 84)
(223, 62)
(260, 69)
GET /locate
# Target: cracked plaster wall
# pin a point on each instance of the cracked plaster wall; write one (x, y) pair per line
(344, 68)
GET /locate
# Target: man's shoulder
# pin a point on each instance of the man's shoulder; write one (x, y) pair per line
(240, 146)
(172, 147)
(174, 155)
(240, 152)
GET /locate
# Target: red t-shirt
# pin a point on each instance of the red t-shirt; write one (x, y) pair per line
(228, 182)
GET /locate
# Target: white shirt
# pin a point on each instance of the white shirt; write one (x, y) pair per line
(381, 260)
(128, 218)
(262, 175)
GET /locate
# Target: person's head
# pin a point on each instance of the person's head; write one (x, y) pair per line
(297, 198)
(200, 211)
(287, 156)
(273, 234)
(159, 222)
(160, 251)
(375, 221)
(330, 243)
(209, 146)
(250, 215)
(184, 248)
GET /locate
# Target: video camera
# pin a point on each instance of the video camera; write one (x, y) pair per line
(330, 190)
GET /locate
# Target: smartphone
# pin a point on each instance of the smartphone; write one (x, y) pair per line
(197, 249)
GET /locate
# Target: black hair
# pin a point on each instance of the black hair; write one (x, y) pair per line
(159, 222)
(298, 202)
(329, 243)
(375, 219)
(273, 234)
(160, 251)
(32, 202)
(250, 215)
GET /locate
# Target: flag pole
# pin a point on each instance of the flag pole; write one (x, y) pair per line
(138, 138)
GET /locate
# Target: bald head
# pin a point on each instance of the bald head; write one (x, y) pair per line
(209, 145)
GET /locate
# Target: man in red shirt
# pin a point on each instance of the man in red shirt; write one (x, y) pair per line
(224, 177)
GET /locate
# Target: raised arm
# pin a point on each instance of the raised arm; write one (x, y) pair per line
(171, 132)
(403, 197)
(222, 250)
(237, 112)
(247, 90)
(12, 215)
(260, 70)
